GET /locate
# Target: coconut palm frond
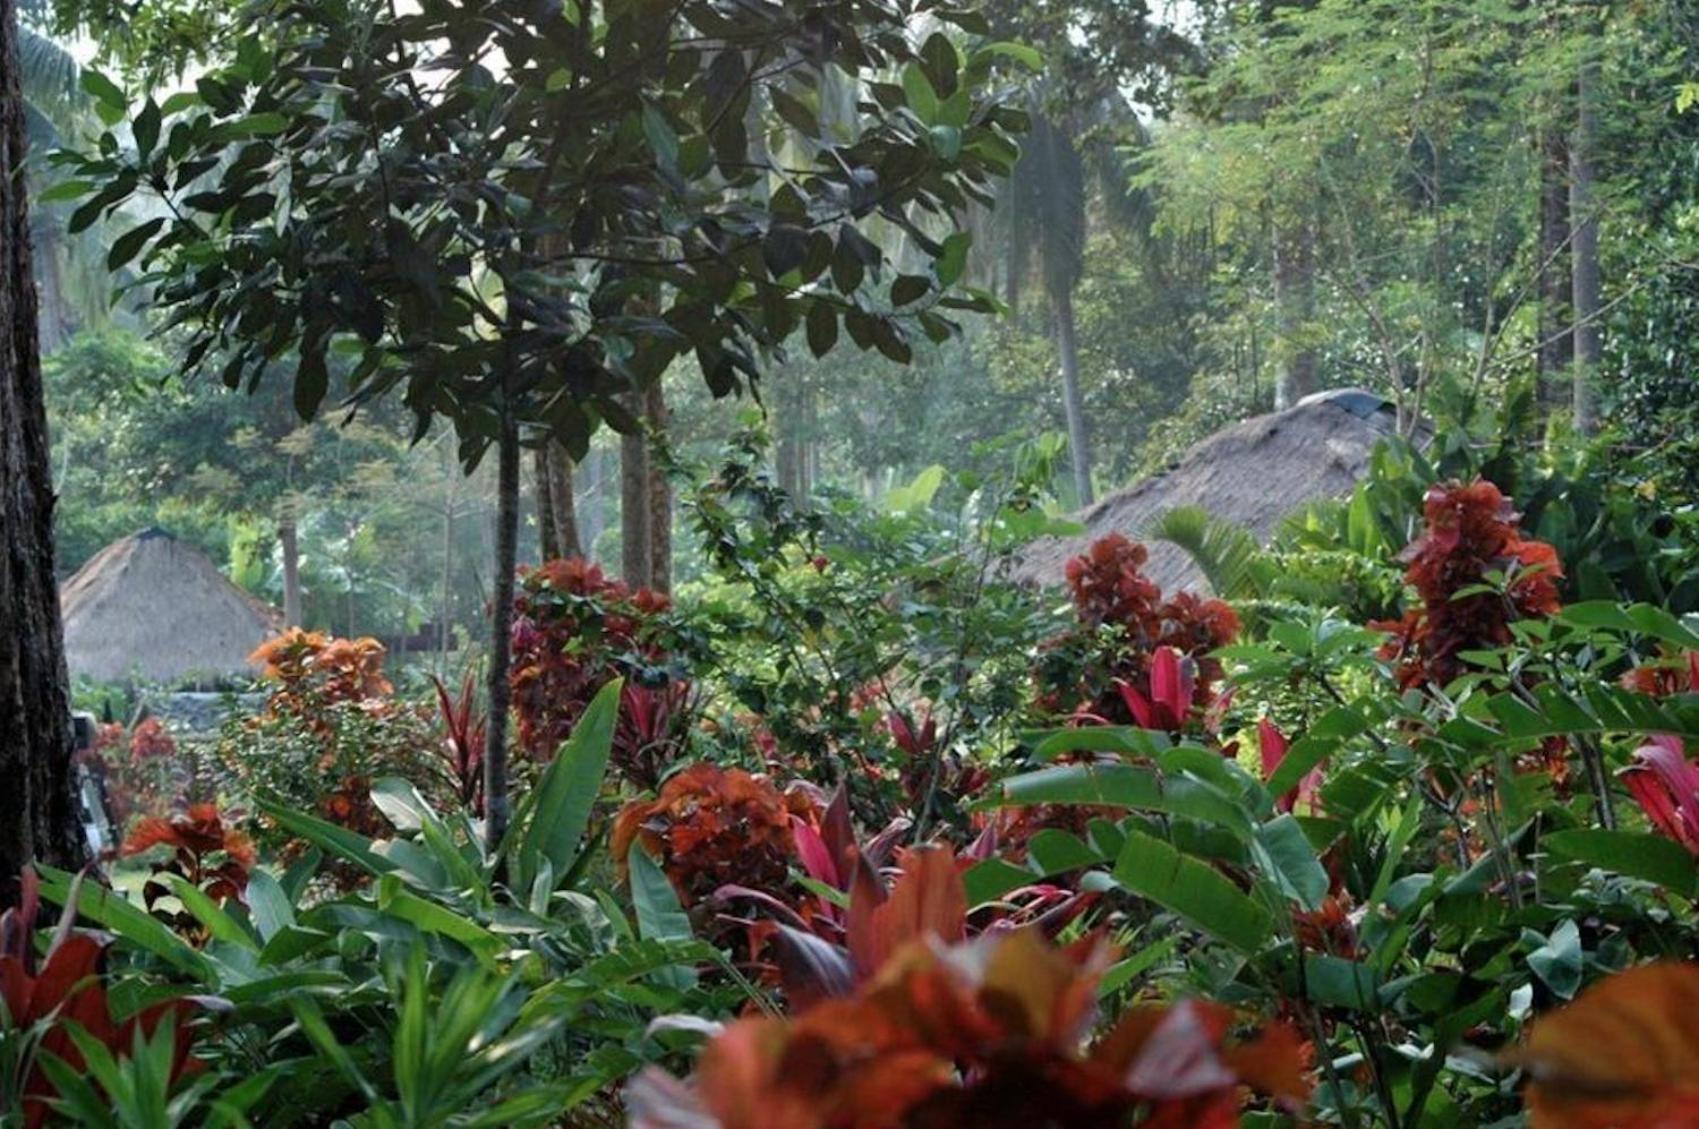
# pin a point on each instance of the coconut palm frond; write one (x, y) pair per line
(1228, 555)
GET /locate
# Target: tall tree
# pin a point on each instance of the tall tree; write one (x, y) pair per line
(1584, 248)
(38, 801)
(418, 222)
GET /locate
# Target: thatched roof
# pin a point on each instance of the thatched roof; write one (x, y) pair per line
(1253, 474)
(149, 606)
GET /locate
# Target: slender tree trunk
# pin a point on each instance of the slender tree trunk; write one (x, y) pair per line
(1062, 303)
(445, 610)
(562, 502)
(1554, 350)
(548, 534)
(660, 495)
(634, 505)
(1294, 301)
(496, 804)
(39, 817)
(595, 516)
(289, 541)
(1584, 247)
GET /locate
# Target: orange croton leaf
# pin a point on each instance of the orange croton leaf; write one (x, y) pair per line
(989, 1033)
(928, 900)
(1624, 1055)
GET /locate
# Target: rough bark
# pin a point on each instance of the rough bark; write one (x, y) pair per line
(1062, 302)
(39, 817)
(1555, 346)
(660, 496)
(496, 805)
(289, 543)
(634, 506)
(1584, 246)
(563, 505)
(1294, 301)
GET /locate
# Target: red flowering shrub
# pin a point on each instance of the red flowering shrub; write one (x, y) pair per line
(207, 852)
(574, 631)
(710, 827)
(986, 1033)
(1105, 669)
(140, 770)
(1666, 786)
(1472, 532)
(40, 1001)
(150, 739)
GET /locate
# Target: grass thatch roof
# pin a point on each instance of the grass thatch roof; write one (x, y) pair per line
(149, 606)
(1253, 474)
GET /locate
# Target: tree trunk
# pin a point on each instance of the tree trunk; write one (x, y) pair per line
(660, 495)
(634, 505)
(289, 541)
(496, 807)
(1584, 247)
(1063, 306)
(562, 503)
(1294, 302)
(1554, 349)
(39, 816)
(595, 516)
(548, 535)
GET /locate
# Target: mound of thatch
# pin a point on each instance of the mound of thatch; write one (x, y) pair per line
(151, 607)
(1252, 474)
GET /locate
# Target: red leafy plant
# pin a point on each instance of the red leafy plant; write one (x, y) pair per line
(1136, 658)
(463, 734)
(1666, 786)
(1472, 533)
(204, 850)
(1664, 677)
(1623, 1055)
(46, 997)
(711, 826)
(991, 1032)
(574, 631)
(313, 671)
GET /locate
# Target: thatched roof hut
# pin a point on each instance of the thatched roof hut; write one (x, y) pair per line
(1253, 474)
(151, 607)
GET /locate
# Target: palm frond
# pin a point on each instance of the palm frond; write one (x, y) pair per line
(1229, 556)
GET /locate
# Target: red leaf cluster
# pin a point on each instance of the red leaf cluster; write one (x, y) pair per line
(1472, 531)
(1664, 678)
(574, 631)
(713, 826)
(463, 734)
(1666, 786)
(150, 739)
(1110, 590)
(989, 1033)
(314, 670)
(205, 850)
(65, 988)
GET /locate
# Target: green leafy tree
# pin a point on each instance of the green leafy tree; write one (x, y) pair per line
(518, 218)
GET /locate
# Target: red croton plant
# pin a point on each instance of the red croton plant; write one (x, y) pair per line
(1157, 672)
(923, 1028)
(204, 850)
(574, 631)
(46, 995)
(1472, 532)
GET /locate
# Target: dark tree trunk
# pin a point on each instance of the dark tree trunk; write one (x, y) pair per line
(634, 504)
(289, 541)
(1073, 406)
(563, 506)
(38, 794)
(496, 807)
(1584, 247)
(660, 495)
(1555, 346)
(548, 536)
(1294, 300)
